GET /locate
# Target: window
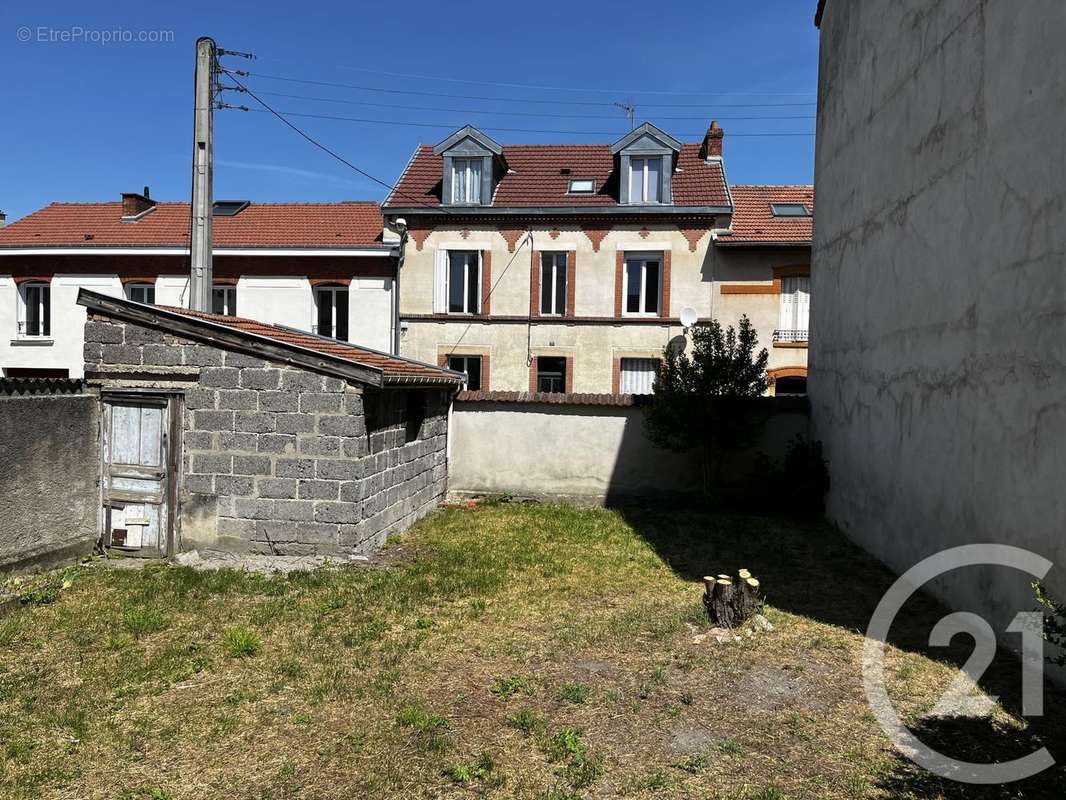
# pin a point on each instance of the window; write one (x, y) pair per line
(553, 284)
(224, 300)
(790, 386)
(35, 310)
(466, 180)
(471, 365)
(464, 282)
(642, 284)
(141, 293)
(645, 178)
(795, 309)
(582, 186)
(790, 210)
(551, 374)
(637, 375)
(331, 307)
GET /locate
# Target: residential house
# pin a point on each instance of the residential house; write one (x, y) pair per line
(318, 267)
(567, 268)
(938, 361)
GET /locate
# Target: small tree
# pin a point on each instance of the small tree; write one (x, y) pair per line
(704, 399)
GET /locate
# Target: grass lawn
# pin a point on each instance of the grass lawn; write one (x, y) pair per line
(508, 651)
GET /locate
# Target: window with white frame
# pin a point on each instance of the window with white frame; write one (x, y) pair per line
(331, 312)
(645, 179)
(471, 365)
(463, 282)
(35, 310)
(642, 284)
(141, 293)
(795, 309)
(224, 300)
(466, 180)
(553, 284)
(637, 375)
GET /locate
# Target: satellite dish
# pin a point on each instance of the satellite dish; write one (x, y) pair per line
(688, 317)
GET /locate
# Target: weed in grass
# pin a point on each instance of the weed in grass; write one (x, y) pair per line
(655, 782)
(423, 624)
(693, 765)
(650, 682)
(355, 741)
(241, 642)
(687, 698)
(289, 668)
(769, 793)
(428, 729)
(41, 595)
(580, 768)
(9, 629)
(730, 747)
(142, 620)
(505, 688)
(527, 722)
(478, 770)
(574, 692)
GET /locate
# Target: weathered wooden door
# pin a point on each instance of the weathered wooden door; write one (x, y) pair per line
(136, 477)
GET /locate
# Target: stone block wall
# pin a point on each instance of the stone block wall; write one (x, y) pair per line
(279, 459)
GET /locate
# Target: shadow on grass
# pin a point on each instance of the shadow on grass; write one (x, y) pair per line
(812, 570)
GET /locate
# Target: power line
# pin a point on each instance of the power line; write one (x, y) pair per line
(568, 88)
(234, 73)
(556, 102)
(456, 125)
(545, 115)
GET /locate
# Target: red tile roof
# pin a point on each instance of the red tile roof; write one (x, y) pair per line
(534, 179)
(754, 222)
(394, 369)
(351, 224)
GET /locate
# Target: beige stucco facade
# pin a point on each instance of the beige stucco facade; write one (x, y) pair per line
(700, 275)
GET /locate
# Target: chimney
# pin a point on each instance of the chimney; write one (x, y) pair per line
(712, 141)
(133, 204)
(3, 218)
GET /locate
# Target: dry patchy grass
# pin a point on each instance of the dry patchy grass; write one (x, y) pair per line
(530, 652)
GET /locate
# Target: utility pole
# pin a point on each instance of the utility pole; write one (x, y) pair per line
(201, 270)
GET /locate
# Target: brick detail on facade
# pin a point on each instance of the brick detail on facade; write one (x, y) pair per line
(667, 257)
(616, 375)
(693, 235)
(419, 236)
(486, 282)
(595, 233)
(511, 236)
(534, 286)
(442, 361)
(619, 268)
(260, 476)
(767, 288)
(571, 283)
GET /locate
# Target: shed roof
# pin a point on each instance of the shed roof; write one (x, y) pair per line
(305, 349)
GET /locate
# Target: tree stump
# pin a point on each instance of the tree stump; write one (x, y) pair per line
(729, 602)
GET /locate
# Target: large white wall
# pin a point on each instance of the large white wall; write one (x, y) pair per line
(938, 330)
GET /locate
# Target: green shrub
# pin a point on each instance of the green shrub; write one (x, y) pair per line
(796, 487)
(241, 642)
(574, 692)
(507, 687)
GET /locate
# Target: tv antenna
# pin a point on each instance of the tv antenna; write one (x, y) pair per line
(630, 111)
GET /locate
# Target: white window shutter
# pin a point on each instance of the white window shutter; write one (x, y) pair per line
(440, 282)
(803, 303)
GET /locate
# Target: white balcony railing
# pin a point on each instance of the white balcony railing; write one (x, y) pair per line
(788, 336)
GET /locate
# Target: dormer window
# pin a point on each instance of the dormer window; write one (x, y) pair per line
(646, 158)
(472, 164)
(466, 180)
(645, 180)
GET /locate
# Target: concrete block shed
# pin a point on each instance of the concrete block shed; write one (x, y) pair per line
(224, 434)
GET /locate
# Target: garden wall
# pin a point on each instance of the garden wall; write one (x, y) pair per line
(584, 448)
(49, 497)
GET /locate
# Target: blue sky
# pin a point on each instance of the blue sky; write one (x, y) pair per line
(87, 119)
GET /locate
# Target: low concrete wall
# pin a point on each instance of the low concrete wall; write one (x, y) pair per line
(49, 497)
(584, 453)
